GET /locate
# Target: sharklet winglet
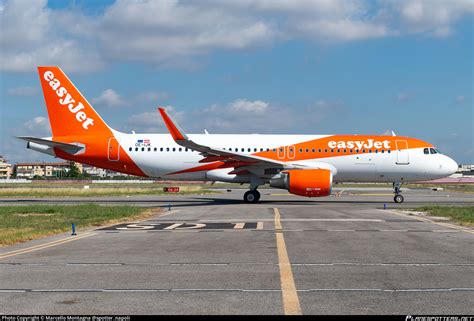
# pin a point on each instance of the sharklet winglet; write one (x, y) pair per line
(173, 127)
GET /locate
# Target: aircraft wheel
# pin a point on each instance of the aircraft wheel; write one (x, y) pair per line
(257, 193)
(251, 196)
(398, 198)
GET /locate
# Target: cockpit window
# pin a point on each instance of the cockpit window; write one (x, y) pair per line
(426, 151)
(437, 151)
(433, 151)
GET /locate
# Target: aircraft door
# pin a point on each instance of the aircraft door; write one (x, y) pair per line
(291, 152)
(402, 152)
(281, 152)
(113, 151)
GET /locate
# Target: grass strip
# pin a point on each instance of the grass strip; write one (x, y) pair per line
(94, 191)
(23, 223)
(464, 215)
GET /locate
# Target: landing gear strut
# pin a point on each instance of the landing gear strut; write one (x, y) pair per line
(398, 198)
(252, 196)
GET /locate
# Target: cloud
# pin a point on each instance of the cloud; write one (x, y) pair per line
(23, 91)
(238, 116)
(109, 98)
(244, 105)
(176, 33)
(151, 122)
(38, 126)
(15, 149)
(405, 96)
(152, 96)
(432, 17)
(34, 35)
(460, 99)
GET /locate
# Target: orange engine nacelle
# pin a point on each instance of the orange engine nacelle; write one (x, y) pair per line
(305, 182)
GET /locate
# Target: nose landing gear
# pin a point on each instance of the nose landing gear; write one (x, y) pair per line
(398, 198)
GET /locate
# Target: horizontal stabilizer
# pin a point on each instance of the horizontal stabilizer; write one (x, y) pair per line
(71, 148)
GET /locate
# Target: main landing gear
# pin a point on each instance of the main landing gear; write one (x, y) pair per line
(398, 198)
(252, 196)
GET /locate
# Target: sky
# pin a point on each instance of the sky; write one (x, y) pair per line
(262, 66)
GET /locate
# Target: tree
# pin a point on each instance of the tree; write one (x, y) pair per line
(73, 170)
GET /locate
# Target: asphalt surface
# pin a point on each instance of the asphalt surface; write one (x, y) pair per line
(211, 254)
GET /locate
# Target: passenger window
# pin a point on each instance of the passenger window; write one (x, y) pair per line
(143, 149)
(174, 149)
(254, 149)
(363, 151)
(426, 151)
(357, 150)
(345, 150)
(383, 151)
(261, 149)
(301, 150)
(307, 150)
(185, 149)
(370, 151)
(376, 151)
(319, 150)
(274, 149)
(268, 149)
(155, 149)
(149, 149)
(180, 149)
(136, 149)
(326, 150)
(351, 151)
(130, 149)
(167, 149)
(332, 150)
(313, 150)
(389, 151)
(338, 150)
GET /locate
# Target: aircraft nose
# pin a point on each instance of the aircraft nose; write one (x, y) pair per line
(449, 166)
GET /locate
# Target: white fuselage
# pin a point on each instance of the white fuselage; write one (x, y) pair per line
(159, 156)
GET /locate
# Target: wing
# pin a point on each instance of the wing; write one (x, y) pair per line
(212, 154)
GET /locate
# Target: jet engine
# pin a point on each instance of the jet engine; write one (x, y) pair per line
(304, 182)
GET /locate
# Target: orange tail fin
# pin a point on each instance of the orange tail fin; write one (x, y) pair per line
(70, 114)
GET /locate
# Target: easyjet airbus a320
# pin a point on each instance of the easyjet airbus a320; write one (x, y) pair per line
(306, 165)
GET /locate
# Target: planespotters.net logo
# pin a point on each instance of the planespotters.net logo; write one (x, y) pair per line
(66, 99)
(360, 144)
(438, 318)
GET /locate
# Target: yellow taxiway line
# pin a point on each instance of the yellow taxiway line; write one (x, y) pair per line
(45, 245)
(291, 303)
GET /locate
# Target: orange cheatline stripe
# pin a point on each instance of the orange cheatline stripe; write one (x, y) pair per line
(316, 144)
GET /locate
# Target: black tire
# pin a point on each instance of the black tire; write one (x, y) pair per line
(398, 198)
(251, 197)
(257, 193)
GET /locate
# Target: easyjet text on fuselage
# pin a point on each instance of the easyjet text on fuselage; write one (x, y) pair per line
(360, 144)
